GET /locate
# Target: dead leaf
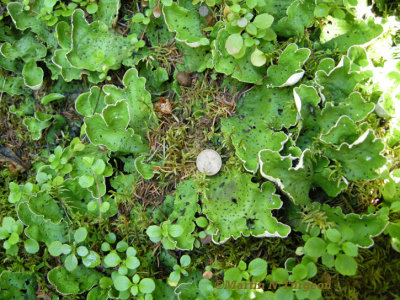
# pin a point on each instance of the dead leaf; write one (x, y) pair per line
(163, 106)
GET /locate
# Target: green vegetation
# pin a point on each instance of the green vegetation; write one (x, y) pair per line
(105, 105)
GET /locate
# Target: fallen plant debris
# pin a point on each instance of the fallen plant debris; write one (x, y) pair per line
(199, 149)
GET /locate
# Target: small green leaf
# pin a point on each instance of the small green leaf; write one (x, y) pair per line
(315, 247)
(258, 58)
(299, 272)
(91, 8)
(185, 260)
(328, 260)
(99, 166)
(80, 235)
(55, 248)
(111, 238)
(131, 251)
(31, 246)
(71, 262)
(112, 259)
(105, 247)
(121, 283)
(321, 10)
(175, 230)
(13, 239)
(65, 249)
(86, 181)
(92, 205)
(333, 248)
(234, 44)
(88, 160)
(3, 233)
(15, 193)
(257, 267)
(147, 285)
(174, 276)
(92, 260)
(350, 249)
(242, 265)
(345, 265)
(104, 207)
(82, 251)
(132, 262)
(122, 270)
(122, 246)
(263, 21)
(202, 222)
(333, 235)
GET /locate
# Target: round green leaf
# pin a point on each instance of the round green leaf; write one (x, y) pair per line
(92, 205)
(263, 21)
(311, 270)
(122, 270)
(185, 260)
(112, 259)
(350, 249)
(175, 230)
(131, 251)
(105, 247)
(111, 238)
(345, 265)
(333, 248)
(258, 58)
(55, 248)
(299, 272)
(234, 44)
(134, 290)
(328, 260)
(13, 239)
(315, 247)
(132, 262)
(80, 235)
(174, 276)
(31, 246)
(284, 294)
(66, 249)
(82, 251)
(92, 260)
(257, 267)
(202, 222)
(3, 233)
(122, 246)
(333, 235)
(105, 282)
(147, 285)
(91, 8)
(155, 233)
(99, 166)
(86, 181)
(121, 283)
(71, 262)
(104, 207)
(280, 275)
(233, 274)
(321, 10)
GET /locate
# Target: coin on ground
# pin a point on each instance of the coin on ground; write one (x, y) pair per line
(209, 162)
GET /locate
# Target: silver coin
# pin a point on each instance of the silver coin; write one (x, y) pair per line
(209, 162)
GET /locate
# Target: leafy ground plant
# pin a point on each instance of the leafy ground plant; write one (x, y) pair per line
(105, 106)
